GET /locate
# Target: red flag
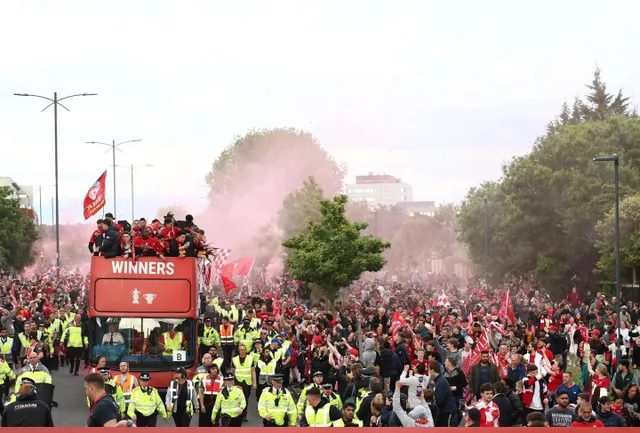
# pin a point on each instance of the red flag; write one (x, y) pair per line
(276, 304)
(228, 284)
(238, 267)
(95, 198)
(506, 309)
(396, 322)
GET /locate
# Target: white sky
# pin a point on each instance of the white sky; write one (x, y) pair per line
(437, 94)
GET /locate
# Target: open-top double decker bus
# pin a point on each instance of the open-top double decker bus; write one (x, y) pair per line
(136, 306)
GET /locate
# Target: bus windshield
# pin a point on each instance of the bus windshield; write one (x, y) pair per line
(146, 343)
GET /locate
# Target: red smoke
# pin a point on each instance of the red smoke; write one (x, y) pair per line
(244, 218)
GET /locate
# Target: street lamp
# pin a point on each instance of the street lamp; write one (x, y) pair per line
(616, 163)
(114, 147)
(132, 169)
(55, 102)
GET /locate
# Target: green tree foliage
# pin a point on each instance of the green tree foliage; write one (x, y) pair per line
(293, 155)
(598, 105)
(543, 211)
(333, 253)
(629, 238)
(299, 208)
(17, 234)
(179, 212)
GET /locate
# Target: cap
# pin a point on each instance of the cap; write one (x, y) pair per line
(553, 328)
(257, 341)
(246, 320)
(28, 380)
(318, 374)
(353, 352)
(145, 376)
(182, 371)
(279, 378)
(229, 376)
(269, 322)
(208, 319)
(327, 386)
(283, 334)
(103, 371)
(275, 340)
(604, 399)
(595, 332)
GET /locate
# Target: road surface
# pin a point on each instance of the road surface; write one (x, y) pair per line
(72, 410)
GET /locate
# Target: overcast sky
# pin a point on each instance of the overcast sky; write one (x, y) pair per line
(437, 93)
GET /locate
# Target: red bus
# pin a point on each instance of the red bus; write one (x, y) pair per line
(132, 304)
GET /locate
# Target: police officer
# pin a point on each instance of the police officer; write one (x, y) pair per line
(145, 404)
(6, 375)
(209, 338)
(27, 410)
(35, 371)
(276, 406)
(348, 416)
(333, 398)
(230, 404)
(318, 412)
(316, 384)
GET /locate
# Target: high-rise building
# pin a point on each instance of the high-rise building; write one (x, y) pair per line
(380, 190)
(24, 193)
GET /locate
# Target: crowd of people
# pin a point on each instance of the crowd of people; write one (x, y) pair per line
(423, 352)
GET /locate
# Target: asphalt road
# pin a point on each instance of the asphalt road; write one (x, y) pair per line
(72, 410)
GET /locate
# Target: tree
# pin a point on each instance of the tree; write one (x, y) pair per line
(543, 212)
(333, 253)
(598, 104)
(179, 212)
(17, 234)
(299, 208)
(629, 238)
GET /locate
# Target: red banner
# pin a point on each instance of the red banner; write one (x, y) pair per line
(95, 198)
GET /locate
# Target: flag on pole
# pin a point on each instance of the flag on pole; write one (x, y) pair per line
(95, 198)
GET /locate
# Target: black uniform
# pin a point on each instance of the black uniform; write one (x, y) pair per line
(27, 411)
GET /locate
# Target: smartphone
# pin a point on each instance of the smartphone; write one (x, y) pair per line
(419, 390)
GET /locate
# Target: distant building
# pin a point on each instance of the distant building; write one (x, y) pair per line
(380, 190)
(24, 193)
(414, 208)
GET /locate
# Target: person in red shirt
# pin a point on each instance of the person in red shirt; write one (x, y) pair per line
(145, 245)
(96, 238)
(489, 411)
(169, 231)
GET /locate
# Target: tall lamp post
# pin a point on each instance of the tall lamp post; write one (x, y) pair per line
(55, 102)
(616, 163)
(132, 169)
(114, 147)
